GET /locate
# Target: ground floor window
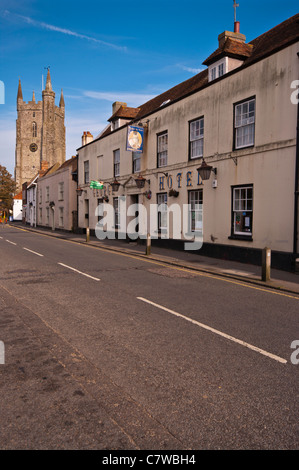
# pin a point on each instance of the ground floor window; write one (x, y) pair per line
(47, 215)
(162, 211)
(116, 212)
(61, 217)
(195, 210)
(100, 213)
(242, 210)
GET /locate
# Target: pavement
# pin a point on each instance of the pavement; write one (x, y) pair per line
(280, 280)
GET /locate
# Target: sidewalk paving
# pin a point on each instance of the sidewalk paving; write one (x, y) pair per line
(280, 280)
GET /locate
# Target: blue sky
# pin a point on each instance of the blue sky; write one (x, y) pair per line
(100, 52)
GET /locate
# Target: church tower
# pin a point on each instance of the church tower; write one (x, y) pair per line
(40, 133)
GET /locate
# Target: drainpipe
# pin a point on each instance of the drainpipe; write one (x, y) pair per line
(295, 247)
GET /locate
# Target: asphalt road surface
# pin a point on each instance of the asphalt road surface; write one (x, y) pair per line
(107, 351)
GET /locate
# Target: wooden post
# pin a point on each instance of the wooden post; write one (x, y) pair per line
(87, 234)
(148, 245)
(266, 264)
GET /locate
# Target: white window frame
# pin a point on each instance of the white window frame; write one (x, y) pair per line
(116, 212)
(244, 123)
(162, 149)
(162, 211)
(242, 208)
(60, 191)
(221, 69)
(136, 162)
(47, 193)
(116, 162)
(195, 201)
(196, 136)
(61, 216)
(86, 172)
(218, 69)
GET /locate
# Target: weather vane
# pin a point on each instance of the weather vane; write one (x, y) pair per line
(235, 8)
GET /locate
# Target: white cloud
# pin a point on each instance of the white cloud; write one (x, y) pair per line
(132, 99)
(68, 32)
(189, 69)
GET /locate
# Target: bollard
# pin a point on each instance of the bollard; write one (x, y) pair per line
(266, 264)
(87, 235)
(148, 245)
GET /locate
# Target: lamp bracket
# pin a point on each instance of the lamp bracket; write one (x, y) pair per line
(235, 159)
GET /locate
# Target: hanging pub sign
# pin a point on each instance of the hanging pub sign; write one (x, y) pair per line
(135, 139)
(96, 184)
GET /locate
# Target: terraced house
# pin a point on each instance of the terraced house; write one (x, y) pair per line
(226, 139)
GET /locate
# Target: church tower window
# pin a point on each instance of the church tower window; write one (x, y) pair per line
(34, 129)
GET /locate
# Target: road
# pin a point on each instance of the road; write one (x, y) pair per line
(105, 350)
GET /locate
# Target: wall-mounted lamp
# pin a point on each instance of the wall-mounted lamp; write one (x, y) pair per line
(205, 170)
(79, 191)
(115, 185)
(140, 182)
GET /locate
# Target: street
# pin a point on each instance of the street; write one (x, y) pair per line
(107, 351)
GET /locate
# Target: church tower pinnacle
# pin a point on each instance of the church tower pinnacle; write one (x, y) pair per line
(20, 94)
(48, 82)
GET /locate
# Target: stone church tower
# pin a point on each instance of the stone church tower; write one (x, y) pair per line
(40, 133)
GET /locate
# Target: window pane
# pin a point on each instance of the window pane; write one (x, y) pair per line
(242, 210)
(196, 138)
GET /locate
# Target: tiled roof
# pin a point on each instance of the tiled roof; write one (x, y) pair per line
(231, 48)
(73, 162)
(125, 112)
(275, 39)
(268, 43)
(18, 196)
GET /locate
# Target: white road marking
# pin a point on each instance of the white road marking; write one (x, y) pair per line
(1, 238)
(34, 252)
(213, 330)
(76, 270)
(13, 243)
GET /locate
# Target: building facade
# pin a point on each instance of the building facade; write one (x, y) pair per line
(239, 117)
(57, 197)
(17, 207)
(40, 133)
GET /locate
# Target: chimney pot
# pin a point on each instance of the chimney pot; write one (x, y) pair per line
(237, 27)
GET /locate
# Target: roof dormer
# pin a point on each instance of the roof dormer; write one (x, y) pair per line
(231, 53)
(122, 114)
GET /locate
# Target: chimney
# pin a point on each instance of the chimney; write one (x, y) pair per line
(44, 165)
(89, 137)
(43, 168)
(236, 35)
(86, 138)
(117, 105)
